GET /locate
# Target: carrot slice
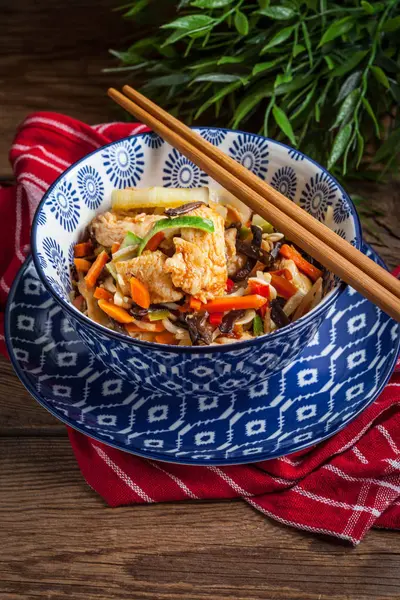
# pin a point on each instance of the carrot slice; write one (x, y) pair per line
(234, 303)
(301, 263)
(115, 247)
(83, 249)
(115, 312)
(82, 264)
(96, 268)
(101, 293)
(166, 338)
(156, 327)
(284, 287)
(140, 293)
(288, 274)
(195, 304)
(155, 241)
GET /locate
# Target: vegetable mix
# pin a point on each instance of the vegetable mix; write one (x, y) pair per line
(190, 267)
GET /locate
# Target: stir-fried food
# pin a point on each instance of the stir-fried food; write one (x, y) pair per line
(190, 267)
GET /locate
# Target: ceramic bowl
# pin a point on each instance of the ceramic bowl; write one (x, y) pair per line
(143, 160)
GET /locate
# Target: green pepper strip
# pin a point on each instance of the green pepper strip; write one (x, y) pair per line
(258, 328)
(179, 222)
(158, 315)
(131, 239)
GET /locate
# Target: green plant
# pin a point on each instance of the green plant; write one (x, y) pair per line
(322, 75)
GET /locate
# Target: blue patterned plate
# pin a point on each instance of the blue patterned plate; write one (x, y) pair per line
(340, 372)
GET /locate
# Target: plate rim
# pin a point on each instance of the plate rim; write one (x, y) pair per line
(255, 458)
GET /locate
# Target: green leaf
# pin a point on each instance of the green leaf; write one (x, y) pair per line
(201, 64)
(264, 66)
(347, 109)
(298, 49)
(380, 76)
(250, 101)
(369, 9)
(360, 144)
(392, 24)
(387, 64)
(230, 60)
(263, 3)
(390, 147)
(305, 103)
(348, 86)
(371, 113)
(284, 124)
(178, 34)
(297, 83)
(329, 62)
(168, 80)
(350, 63)
(267, 114)
(136, 8)
(190, 22)
(307, 42)
(211, 3)
(217, 78)
(221, 93)
(241, 22)
(278, 38)
(339, 145)
(337, 29)
(282, 78)
(278, 13)
(128, 58)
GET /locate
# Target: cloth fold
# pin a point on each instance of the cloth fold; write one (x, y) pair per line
(341, 487)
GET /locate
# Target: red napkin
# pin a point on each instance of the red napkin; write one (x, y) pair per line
(341, 487)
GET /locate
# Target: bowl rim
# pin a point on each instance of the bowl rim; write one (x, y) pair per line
(117, 336)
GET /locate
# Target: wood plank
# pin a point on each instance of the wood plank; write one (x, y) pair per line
(62, 542)
(51, 59)
(20, 414)
(381, 218)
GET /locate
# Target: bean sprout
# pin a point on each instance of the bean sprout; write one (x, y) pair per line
(172, 328)
(247, 318)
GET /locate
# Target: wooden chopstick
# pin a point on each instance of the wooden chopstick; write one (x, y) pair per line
(230, 178)
(291, 209)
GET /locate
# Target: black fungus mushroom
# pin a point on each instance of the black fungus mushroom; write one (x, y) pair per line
(278, 315)
(199, 329)
(137, 312)
(230, 319)
(184, 208)
(257, 236)
(245, 271)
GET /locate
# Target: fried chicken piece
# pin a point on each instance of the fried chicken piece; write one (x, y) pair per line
(199, 263)
(149, 268)
(108, 229)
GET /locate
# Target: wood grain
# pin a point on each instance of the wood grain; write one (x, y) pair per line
(57, 538)
(62, 541)
(20, 415)
(52, 53)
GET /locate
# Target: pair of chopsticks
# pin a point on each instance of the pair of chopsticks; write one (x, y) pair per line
(313, 237)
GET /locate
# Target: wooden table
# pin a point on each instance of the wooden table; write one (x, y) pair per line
(57, 537)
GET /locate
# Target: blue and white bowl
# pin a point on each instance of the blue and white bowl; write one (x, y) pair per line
(145, 160)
